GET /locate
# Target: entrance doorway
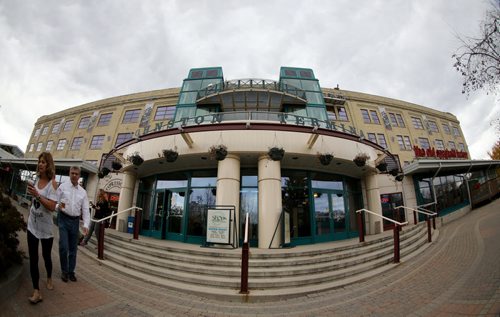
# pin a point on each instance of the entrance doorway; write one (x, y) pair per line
(330, 215)
(389, 203)
(168, 220)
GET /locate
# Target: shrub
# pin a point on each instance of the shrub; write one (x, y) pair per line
(11, 221)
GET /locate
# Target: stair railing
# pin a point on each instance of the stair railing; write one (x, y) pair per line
(100, 241)
(244, 260)
(397, 226)
(428, 215)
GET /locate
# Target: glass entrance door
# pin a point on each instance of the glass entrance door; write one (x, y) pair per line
(330, 215)
(175, 215)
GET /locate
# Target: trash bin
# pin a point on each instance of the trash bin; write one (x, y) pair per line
(130, 224)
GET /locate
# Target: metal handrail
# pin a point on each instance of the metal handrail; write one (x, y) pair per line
(397, 227)
(114, 215)
(244, 261)
(426, 212)
(383, 217)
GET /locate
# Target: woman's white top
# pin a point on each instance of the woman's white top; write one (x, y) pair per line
(40, 221)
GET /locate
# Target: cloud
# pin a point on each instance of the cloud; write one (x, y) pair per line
(56, 55)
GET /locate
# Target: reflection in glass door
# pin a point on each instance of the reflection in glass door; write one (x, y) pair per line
(330, 215)
(158, 215)
(175, 214)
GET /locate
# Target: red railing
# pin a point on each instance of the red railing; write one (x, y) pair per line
(397, 226)
(428, 215)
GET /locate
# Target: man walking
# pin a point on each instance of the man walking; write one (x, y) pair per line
(73, 203)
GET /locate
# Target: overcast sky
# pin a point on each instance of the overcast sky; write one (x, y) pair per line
(59, 54)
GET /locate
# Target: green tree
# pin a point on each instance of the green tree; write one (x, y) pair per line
(478, 59)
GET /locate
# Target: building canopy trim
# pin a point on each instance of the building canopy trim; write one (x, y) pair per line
(61, 164)
(447, 167)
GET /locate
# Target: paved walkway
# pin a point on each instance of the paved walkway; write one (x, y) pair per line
(458, 275)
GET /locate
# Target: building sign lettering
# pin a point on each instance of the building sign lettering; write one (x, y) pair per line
(441, 154)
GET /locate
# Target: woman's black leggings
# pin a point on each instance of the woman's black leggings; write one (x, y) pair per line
(33, 253)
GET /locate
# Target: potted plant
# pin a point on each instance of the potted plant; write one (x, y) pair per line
(136, 159)
(276, 153)
(170, 155)
(116, 165)
(325, 158)
(219, 152)
(360, 159)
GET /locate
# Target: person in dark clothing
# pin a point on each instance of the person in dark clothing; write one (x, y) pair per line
(102, 210)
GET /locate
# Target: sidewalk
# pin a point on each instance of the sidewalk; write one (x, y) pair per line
(458, 275)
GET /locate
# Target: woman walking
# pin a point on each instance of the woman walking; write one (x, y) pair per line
(102, 210)
(40, 223)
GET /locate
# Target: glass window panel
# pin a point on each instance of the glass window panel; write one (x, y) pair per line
(32, 146)
(77, 142)
(424, 143)
(316, 112)
(68, 125)
(55, 128)
(196, 74)
(290, 72)
(342, 114)
(84, 123)
(213, 82)
(188, 97)
(164, 184)
(211, 73)
(249, 204)
(164, 112)
(203, 181)
(104, 119)
(401, 122)
(455, 131)
(131, 116)
(249, 181)
(199, 200)
(331, 114)
(417, 123)
(306, 74)
(366, 116)
(439, 144)
(192, 85)
(45, 130)
(123, 137)
(433, 126)
(97, 142)
(374, 116)
(393, 119)
(39, 147)
(61, 144)
(49, 145)
(310, 85)
(381, 140)
(314, 97)
(401, 142)
(451, 145)
(372, 137)
(446, 128)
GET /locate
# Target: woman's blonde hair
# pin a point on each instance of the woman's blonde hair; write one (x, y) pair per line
(50, 170)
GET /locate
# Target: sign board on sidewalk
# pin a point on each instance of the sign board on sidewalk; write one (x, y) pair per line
(218, 226)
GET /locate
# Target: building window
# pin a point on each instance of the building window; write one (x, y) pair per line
(433, 126)
(401, 142)
(424, 143)
(77, 142)
(61, 144)
(446, 128)
(451, 145)
(455, 131)
(56, 128)
(401, 122)
(381, 140)
(122, 138)
(84, 123)
(439, 144)
(32, 146)
(131, 116)
(366, 116)
(49, 145)
(164, 112)
(97, 142)
(394, 122)
(39, 146)
(374, 116)
(68, 125)
(407, 142)
(45, 130)
(104, 119)
(461, 147)
(37, 132)
(372, 137)
(417, 123)
(337, 113)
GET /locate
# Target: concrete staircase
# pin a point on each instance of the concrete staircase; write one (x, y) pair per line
(273, 274)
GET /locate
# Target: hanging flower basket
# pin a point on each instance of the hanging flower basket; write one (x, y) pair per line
(219, 152)
(116, 165)
(325, 158)
(136, 159)
(170, 155)
(276, 154)
(103, 172)
(360, 159)
(382, 166)
(400, 177)
(394, 172)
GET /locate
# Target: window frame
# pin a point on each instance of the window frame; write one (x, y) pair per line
(97, 140)
(132, 118)
(106, 121)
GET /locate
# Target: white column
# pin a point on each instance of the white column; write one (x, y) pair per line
(269, 201)
(373, 223)
(126, 199)
(228, 187)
